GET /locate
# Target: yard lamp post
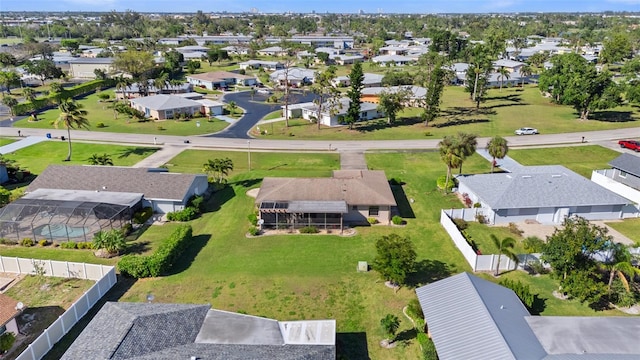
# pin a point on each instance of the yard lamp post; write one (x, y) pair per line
(249, 153)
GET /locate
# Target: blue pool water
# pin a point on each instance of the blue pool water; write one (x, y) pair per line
(61, 231)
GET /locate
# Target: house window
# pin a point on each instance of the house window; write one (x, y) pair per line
(374, 210)
(354, 208)
(623, 174)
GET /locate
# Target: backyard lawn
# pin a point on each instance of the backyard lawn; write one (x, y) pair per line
(581, 159)
(502, 113)
(102, 112)
(629, 228)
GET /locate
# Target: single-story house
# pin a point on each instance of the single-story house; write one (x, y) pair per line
(257, 64)
(236, 50)
(370, 80)
(273, 51)
(83, 68)
(510, 65)
(134, 90)
(163, 107)
(9, 310)
(623, 178)
(475, 319)
(394, 50)
(546, 194)
(221, 79)
(296, 77)
(309, 111)
(397, 60)
(372, 94)
(162, 191)
(349, 196)
(192, 48)
(346, 59)
(338, 42)
(123, 330)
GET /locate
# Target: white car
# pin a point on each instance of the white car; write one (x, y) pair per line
(526, 131)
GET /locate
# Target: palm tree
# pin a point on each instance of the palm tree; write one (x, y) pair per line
(104, 159)
(71, 116)
(9, 78)
(56, 87)
(497, 148)
(505, 247)
(390, 324)
(449, 153)
(9, 102)
(112, 241)
(525, 71)
(504, 74)
(218, 169)
(232, 107)
(466, 146)
(160, 82)
(29, 94)
(122, 83)
(620, 264)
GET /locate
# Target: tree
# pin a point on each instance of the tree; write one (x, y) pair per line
(390, 324)
(391, 102)
(100, 74)
(619, 263)
(173, 61)
(327, 95)
(498, 147)
(44, 69)
(505, 247)
(616, 47)
(71, 116)
(466, 146)
(434, 84)
(111, 241)
(10, 102)
(503, 74)
(7, 59)
(395, 259)
(29, 94)
(192, 66)
(450, 155)
(323, 56)
(134, 62)
(232, 106)
(122, 83)
(97, 159)
(356, 78)
(9, 79)
(218, 169)
(525, 72)
(70, 44)
(160, 82)
(477, 84)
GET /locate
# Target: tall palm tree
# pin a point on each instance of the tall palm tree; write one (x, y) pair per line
(505, 247)
(620, 264)
(71, 116)
(497, 148)
(232, 107)
(525, 71)
(466, 146)
(122, 83)
(218, 169)
(504, 74)
(449, 153)
(9, 102)
(160, 82)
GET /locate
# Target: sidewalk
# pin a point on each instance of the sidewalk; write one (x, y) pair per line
(507, 164)
(21, 144)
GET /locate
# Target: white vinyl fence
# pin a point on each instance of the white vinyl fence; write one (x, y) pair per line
(105, 277)
(478, 262)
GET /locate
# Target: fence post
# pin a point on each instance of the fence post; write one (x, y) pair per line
(51, 268)
(2, 263)
(68, 272)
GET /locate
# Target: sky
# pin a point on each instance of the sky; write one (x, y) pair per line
(322, 6)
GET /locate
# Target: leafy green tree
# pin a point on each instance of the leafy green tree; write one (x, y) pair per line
(6, 341)
(10, 102)
(620, 264)
(70, 44)
(44, 69)
(498, 147)
(111, 241)
(356, 78)
(616, 47)
(392, 102)
(71, 116)
(232, 106)
(100, 159)
(466, 146)
(390, 324)
(323, 56)
(100, 74)
(505, 247)
(327, 95)
(395, 259)
(134, 62)
(173, 62)
(192, 66)
(7, 59)
(9, 79)
(5, 196)
(218, 169)
(450, 155)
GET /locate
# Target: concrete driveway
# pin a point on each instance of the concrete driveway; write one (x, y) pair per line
(542, 231)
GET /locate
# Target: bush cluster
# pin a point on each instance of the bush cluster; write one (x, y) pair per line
(523, 291)
(372, 220)
(254, 231)
(76, 245)
(397, 220)
(43, 242)
(462, 224)
(143, 215)
(442, 180)
(309, 230)
(161, 260)
(253, 219)
(5, 241)
(27, 242)
(186, 214)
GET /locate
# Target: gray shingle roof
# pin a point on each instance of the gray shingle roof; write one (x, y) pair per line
(165, 102)
(154, 185)
(627, 163)
(539, 186)
(471, 318)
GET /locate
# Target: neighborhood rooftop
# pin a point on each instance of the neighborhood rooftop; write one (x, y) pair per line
(627, 163)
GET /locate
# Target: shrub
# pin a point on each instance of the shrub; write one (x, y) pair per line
(254, 231)
(428, 133)
(186, 214)
(309, 230)
(372, 221)
(85, 245)
(6, 341)
(126, 229)
(5, 241)
(26, 242)
(101, 125)
(442, 180)
(161, 128)
(69, 245)
(397, 220)
(513, 228)
(428, 348)
(143, 215)
(43, 242)
(414, 309)
(477, 205)
(135, 266)
(197, 202)
(523, 291)
(481, 218)
(533, 244)
(253, 219)
(462, 224)
(536, 266)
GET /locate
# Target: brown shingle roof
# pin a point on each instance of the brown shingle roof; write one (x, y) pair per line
(355, 187)
(7, 309)
(219, 75)
(154, 185)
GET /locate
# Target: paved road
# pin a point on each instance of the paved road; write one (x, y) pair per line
(255, 110)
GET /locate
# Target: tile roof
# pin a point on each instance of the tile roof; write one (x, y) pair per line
(8, 309)
(539, 186)
(164, 102)
(355, 187)
(627, 163)
(154, 185)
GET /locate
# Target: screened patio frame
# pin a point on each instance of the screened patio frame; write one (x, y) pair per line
(298, 214)
(60, 220)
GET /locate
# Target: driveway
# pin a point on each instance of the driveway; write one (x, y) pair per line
(255, 110)
(542, 231)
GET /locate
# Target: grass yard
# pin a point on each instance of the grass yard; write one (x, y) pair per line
(37, 157)
(101, 112)
(581, 159)
(6, 141)
(481, 234)
(628, 227)
(502, 113)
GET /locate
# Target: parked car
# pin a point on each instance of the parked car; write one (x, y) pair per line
(527, 131)
(630, 144)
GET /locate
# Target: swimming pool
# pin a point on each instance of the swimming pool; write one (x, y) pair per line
(54, 231)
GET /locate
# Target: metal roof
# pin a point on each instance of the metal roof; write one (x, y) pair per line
(627, 163)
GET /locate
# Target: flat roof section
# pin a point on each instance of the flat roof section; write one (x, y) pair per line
(107, 197)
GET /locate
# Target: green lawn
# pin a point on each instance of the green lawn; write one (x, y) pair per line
(628, 227)
(481, 234)
(581, 159)
(502, 113)
(6, 141)
(101, 112)
(37, 157)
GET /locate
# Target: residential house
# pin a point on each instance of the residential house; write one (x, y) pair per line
(370, 80)
(163, 191)
(163, 107)
(221, 79)
(623, 178)
(273, 51)
(397, 60)
(84, 68)
(134, 90)
(9, 310)
(220, 39)
(460, 71)
(546, 194)
(372, 94)
(350, 196)
(338, 42)
(296, 77)
(346, 59)
(511, 65)
(475, 319)
(335, 116)
(236, 50)
(181, 331)
(394, 50)
(257, 64)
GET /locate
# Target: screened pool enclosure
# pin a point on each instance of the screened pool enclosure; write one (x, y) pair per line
(75, 218)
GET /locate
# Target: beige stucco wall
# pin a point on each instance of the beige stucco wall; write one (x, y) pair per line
(85, 71)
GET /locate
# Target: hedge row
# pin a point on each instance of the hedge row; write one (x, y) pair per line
(71, 92)
(162, 260)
